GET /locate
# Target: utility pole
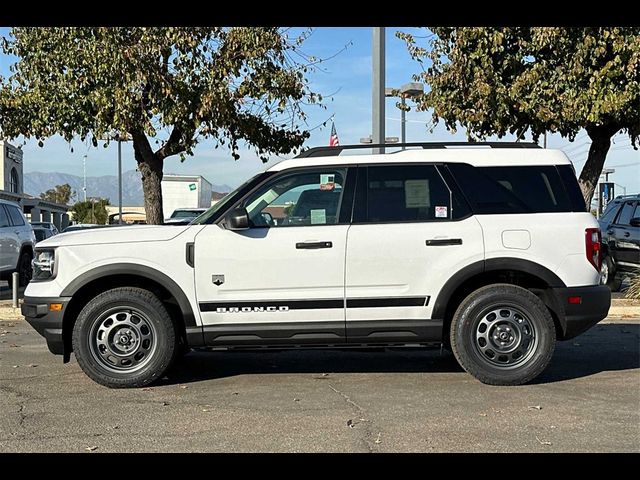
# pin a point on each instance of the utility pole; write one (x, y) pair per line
(84, 174)
(378, 81)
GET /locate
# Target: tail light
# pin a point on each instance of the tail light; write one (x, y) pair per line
(593, 247)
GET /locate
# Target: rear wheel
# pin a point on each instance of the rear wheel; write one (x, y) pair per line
(503, 335)
(124, 338)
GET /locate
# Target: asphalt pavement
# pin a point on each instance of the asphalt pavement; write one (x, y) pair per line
(588, 400)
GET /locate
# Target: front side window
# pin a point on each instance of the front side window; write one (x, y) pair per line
(407, 193)
(309, 197)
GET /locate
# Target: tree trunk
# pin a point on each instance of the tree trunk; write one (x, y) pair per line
(150, 166)
(600, 143)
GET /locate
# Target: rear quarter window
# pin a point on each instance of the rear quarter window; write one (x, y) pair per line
(515, 189)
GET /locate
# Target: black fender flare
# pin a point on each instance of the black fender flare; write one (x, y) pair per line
(492, 264)
(140, 271)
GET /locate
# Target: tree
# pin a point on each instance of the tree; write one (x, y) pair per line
(58, 194)
(91, 211)
(498, 80)
(228, 84)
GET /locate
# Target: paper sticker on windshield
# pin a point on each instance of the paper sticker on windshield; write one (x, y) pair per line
(318, 217)
(327, 181)
(441, 212)
(416, 193)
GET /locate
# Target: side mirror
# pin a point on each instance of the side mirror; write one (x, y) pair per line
(238, 219)
(635, 222)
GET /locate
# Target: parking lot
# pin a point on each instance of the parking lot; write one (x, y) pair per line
(326, 401)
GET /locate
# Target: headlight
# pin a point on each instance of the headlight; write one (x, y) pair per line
(43, 265)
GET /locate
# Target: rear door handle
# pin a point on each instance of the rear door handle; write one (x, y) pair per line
(313, 245)
(438, 242)
(627, 234)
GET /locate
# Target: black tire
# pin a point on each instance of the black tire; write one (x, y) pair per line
(609, 275)
(124, 338)
(528, 333)
(23, 269)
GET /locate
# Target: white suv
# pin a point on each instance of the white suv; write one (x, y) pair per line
(16, 243)
(488, 250)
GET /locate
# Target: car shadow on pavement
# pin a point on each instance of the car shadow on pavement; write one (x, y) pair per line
(606, 347)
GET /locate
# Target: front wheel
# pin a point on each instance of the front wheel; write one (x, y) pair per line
(503, 335)
(124, 338)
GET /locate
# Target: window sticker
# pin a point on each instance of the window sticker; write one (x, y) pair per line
(318, 217)
(393, 184)
(327, 181)
(416, 193)
(441, 212)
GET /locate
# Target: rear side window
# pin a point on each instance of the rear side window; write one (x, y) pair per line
(16, 216)
(406, 194)
(572, 187)
(626, 214)
(610, 213)
(502, 190)
(4, 219)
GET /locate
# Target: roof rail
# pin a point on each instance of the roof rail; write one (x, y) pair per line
(633, 195)
(337, 150)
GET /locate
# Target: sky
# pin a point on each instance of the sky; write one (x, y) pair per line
(345, 82)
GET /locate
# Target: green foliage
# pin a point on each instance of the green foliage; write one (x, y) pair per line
(91, 211)
(170, 86)
(58, 194)
(494, 81)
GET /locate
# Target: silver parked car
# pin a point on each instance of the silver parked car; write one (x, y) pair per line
(16, 243)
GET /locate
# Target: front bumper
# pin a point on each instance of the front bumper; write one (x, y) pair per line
(578, 317)
(48, 323)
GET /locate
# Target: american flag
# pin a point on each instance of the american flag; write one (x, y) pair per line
(333, 139)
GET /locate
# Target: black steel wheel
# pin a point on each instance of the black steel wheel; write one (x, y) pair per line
(503, 335)
(124, 338)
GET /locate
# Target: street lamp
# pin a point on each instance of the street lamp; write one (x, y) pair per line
(84, 175)
(120, 138)
(408, 90)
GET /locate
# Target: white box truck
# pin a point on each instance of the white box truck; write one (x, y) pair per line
(185, 191)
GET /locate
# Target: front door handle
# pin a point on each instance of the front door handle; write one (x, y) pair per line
(313, 245)
(437, 242)
(610, 232)
(627, 234)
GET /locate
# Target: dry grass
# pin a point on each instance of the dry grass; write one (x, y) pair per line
(633, 292)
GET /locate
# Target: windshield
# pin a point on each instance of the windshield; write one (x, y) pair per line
(211, 215)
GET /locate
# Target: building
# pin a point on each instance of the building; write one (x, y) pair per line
(12, 189)
(184, 191)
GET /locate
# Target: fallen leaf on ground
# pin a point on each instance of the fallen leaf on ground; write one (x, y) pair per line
(14, 345)
(164, 404)
(378, 439)
(543, 442)
(483, 414)
(534, 407)
(325, 374)
(350, 423)
(205, 409)
(32, 365)
(91, 449)
(183, 386)
(296, 399)
(16, 366)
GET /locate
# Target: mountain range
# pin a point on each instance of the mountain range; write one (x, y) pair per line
(106, 186)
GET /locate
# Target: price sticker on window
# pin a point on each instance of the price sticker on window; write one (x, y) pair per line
(327, 181)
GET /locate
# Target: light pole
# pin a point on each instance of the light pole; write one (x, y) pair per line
(84, 175)
(408, 90)
(377, 85)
